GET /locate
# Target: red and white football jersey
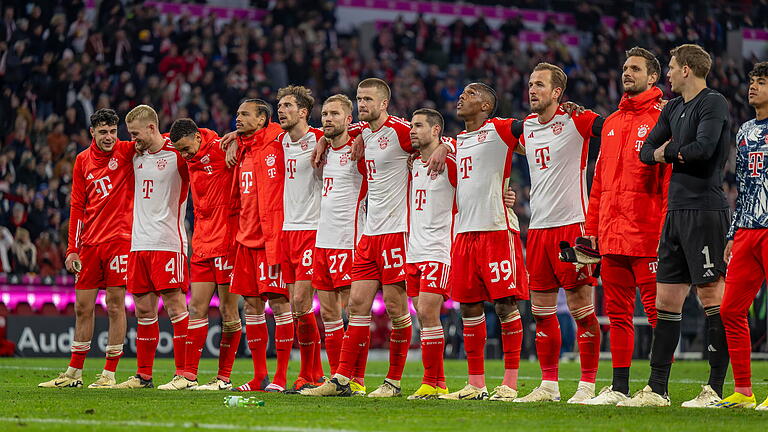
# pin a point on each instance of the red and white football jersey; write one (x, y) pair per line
(557, 160)
(431, 215)
(102, 196)
(160, 201)
(342, 209)
(386, 162)
(484, 162)
(301, 195)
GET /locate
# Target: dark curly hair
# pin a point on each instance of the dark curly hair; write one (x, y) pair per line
(759, 70)
(104, 117)
(181, 128)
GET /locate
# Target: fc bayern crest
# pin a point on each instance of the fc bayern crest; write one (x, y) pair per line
(482, 136)
(205, 160)
(642, 130)
(383, 142)
(433, 175)
(343, 159)
(161, 164)
(304, 145)
(112, 164)
(557, 128)
(270, 160)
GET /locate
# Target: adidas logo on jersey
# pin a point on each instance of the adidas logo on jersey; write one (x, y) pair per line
(173, 280)
(586, 334)
(541, 334)
(273, 284)
(611, 133)
(710, 348)
(682, 115)
(709, 273)
(346, 277)
(402, 273)
(531, 135)
(432, 285)
(90, 177)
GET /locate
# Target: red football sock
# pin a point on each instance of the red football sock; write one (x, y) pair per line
(511, 341)
(257, 338)
(475, 334)
(283, 344)
(317, 356)
(334, 334)
(432, 346)
(180, 328)
(354, 344)
(79, 350)
(358, 372)
(231, 332)
(399, 342)
(588, 337)
(147, 336)
(114, 352)
(548, 340)
(196, 335)
(307, 333)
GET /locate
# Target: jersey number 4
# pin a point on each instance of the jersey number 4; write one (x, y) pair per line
(119, 264)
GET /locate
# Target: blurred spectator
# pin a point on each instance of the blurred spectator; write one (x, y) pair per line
(24, 254)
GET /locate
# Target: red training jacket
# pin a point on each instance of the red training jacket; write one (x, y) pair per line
(628, 201)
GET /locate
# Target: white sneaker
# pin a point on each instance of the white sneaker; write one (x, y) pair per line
(469, 392)
(215, 384)
(178, 383)
(585, 391)
(540, 394)
(646, 398)
(274, 388)
(607, 396)
(504, 393)
(705, 399)
(385, 390)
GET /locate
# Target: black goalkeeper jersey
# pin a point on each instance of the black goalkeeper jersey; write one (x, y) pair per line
(698, 131)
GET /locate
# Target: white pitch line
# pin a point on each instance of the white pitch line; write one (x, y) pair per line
(184, 425)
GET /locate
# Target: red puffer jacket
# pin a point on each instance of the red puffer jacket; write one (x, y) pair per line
(628, 201)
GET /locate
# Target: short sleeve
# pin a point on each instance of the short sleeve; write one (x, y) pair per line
(504, 129)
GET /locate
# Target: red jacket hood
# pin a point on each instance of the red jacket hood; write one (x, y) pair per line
(641, 102)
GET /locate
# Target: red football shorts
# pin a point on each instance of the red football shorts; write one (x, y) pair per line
(253, 276)
(297, 248)
(546, 270)
(217, 270)
(103, 265)
(331, 269)
(381, 258)
(152, 271)
(484, 267)
(427, 277)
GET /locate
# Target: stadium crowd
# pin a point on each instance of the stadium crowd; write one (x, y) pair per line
(57, 66)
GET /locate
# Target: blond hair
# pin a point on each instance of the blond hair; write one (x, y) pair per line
(378, 84)
(143, 113)
(343, 100)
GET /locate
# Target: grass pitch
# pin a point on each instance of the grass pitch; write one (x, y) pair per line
(25, 407)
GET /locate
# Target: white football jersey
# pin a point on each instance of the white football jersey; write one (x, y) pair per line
(386, 162)
(557, 160)
(301, 194)
(431, 214)
(342, 210)
(484, 162)
(160, 201)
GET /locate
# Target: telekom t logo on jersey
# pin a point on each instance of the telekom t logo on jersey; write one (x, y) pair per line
(246, 181)
(291, 168)
(755, 163)
(542, 157)
(327, 185)
(421, 198)
(371, 166)
(465, 166)
(148, 188)
(103, 186)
